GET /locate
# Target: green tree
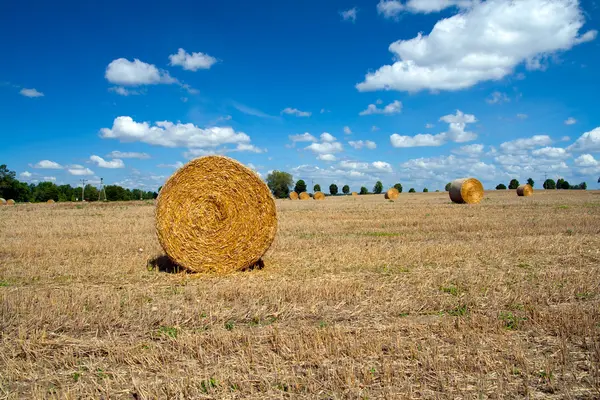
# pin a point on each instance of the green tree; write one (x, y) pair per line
(11, 188)
(411, 190)
(333, 189)
(398, 187)
(279, 182)
(583, 186)
(346, 189)
(317, 188)
(425, 190)
(300, 186)
(45, 191)
(501, 186)
(65, 193)
(90, 193)
(549, 184)
(530, 182)
(559, 183)
(565, 185)
(513, 184)
(137, 194)
(364, 190)
(448, 186)
(378, 188)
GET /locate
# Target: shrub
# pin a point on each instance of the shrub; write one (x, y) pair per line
(501, 186)
(411, 190)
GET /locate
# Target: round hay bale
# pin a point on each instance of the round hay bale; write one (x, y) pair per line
(392, 194)
(215, 214)
(466, 190)
(304, 196)
(10, 202)
(525, 190)
(2, 202)
(50, 201)
(293, 196)
(354, 194)
(319, 196)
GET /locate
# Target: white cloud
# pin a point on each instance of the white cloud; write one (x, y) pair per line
(79, 170)
(551, 152)
(133, 73)
(470, 150)
(47, 164)
(570, 121)
(390, 8)
(325, 147)
(192, 62)
(497, 98)
(304, 137)
(177, 165)
(124, 92)
(296, 112)
(457, 124)
(587, 160)
(589, 141)
(248, 147)
(347, 130)
(392, 108)
(49, 179)
(565, 139)
(169, 134)
(429, 6)
(121, 154)
(382, 166)
(102, 163)
(485, 42)
(520, 145)
(327, 157)
(349, 15)
(31, 93)
(522, 116)
(25, 174)
(429, 126)
(327, 137)
(359, 144)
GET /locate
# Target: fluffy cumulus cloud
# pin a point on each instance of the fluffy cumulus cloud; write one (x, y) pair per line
(25, 174)
(349, 15)
(472, 150)
(359, 144)
(456, 132)
(102, 163)
(393, 8)
(497, 98)
(120, 90)
(128, 154)
(296, 112)
(49, 179)
(327, 157)
(47, 164)
(79, 170)
(304, 137)
(325, 147)
(134, 73)
(586, 160)
(390, 8)
(192, 62)
(327, 137)
(393, 108)
(589, 141)
(31, 93)
(169, 134)
(570, 121)
(177, 165)
(551, 152)
(523, 144)
(442, 169)
(485, 42)
(347, 130)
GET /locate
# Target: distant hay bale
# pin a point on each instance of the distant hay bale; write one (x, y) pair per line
(215, 214)
(319, 196)
(293, 196)
(466, 190)
(525, 190)
(10, 202)
(354, 194)
(304, 196)
(50, 201)
(392, 194)
(2, 202)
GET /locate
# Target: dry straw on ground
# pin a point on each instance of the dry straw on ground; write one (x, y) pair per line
(10, 202)
(525, 190)
(304, 196)
(2, 201)
(319, 196)
(392, 194)
(215, 214)
(466, 190)
(293, 196)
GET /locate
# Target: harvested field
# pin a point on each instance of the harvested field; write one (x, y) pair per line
(359, 297)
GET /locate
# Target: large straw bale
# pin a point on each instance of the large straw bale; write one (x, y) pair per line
(319, 196)
(2, 202)
(466, 190)
(10, 202)
(392, 194)
(525, 190)
(50, 201)
(293, 196)
(304, 196)
(215, 214)
(354, 194)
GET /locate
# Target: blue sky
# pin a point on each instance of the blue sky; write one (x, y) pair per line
(418, 92)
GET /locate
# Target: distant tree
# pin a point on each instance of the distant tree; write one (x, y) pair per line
(137, 194)
(559, 183)
(300, 186)
(448, 186)
(549, 184)
(565, 185)
(583, 186)
(317, 188)
(333, 189)
(501, 186)
(279, 182)
(437, 190)
(364, 190)
(411, 190)
(45, 191)
(530, 182)
(378, 188)
(513, 184)
(11, 188)
(90, 193)
(425, 190)
(398, 187)
(346, 189)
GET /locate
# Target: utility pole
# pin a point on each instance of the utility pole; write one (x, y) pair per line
(102, 192)
(83, 181)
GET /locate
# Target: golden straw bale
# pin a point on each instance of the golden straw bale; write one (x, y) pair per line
(354, 194)
(525, 190)
(215, 214)
(319, 196)
(466, 190)
(2, 202)
(293, 196)
(50, 201)
(10, 202)
(304, 196)
(392, 194)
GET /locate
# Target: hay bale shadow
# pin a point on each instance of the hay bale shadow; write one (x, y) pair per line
(260, 264)
(165, 264)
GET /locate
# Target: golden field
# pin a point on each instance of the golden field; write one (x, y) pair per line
(359, 298)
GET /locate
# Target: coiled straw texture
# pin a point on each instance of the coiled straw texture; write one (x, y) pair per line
(215, 214)
(304, 196)
(2, 201)
(293, 196)
(392, 194)
(319, 196)
(466, 190)
(525, 190)
(10, 202)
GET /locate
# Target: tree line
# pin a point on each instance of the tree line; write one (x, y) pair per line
(12, 188)
(548, 184)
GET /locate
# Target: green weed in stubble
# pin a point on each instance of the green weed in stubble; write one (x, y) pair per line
(169, 331)
(209, 384)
